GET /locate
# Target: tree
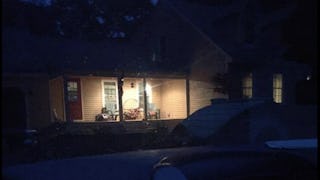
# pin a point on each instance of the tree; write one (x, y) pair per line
(82, 19)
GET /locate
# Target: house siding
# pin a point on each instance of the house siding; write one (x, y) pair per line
(174, 105)
(91, 88)
(36, 90)
(167, 95)
(170, 96)
(200, 95)
(156, 92)
(262, 75)
(57, 98)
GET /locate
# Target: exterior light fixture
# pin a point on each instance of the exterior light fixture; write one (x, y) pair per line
(308, 77)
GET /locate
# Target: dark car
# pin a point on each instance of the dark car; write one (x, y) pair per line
(243, 163)
(198, 162)
(245, 122)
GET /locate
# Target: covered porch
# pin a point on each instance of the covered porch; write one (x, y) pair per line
(119, 98)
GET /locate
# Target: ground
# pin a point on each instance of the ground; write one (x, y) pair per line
(60, 145)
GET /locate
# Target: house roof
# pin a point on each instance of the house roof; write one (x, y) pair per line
(27, 52)
(23, 51)
(227, 25)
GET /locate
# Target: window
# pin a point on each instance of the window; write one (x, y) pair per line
(247, 86)
(110, 96)
(277, 88)
(72, 88)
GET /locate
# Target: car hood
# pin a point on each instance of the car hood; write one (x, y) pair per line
(208, 120)
(128, 165)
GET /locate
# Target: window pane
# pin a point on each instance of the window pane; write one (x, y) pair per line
(247, 86)
(277, 88)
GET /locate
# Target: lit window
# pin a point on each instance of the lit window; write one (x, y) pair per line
(110, 95)
(247, 86)
(277, 88)
(72, 88)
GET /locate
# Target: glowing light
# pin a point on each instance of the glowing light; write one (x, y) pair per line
(308, 78)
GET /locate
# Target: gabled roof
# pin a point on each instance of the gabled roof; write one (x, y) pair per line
(226, 24)
(26, 52)
(23, 51)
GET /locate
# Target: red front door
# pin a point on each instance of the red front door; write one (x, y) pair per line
(74, 99)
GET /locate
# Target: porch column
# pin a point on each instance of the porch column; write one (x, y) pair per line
(66, 101)
(188, 95)
(120, 92)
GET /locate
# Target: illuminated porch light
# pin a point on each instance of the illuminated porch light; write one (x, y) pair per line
(308, 77)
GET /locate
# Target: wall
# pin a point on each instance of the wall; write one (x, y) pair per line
(57, 98)
(200, 95)
(167, 95)
(156, 92)
(36, 90)
(91, 88)
(173, 99)
(262, 75)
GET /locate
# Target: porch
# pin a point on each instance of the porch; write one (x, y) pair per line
(118, 128)
(85, 98)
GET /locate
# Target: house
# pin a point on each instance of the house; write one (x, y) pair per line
(23, 102)
(251, 33)
(163, 72)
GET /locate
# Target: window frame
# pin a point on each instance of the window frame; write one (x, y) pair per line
(116, 90)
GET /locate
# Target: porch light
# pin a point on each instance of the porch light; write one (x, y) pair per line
(308, 77)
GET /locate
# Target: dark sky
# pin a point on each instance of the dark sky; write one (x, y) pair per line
(300, 31)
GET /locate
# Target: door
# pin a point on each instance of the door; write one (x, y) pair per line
(74, 99)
